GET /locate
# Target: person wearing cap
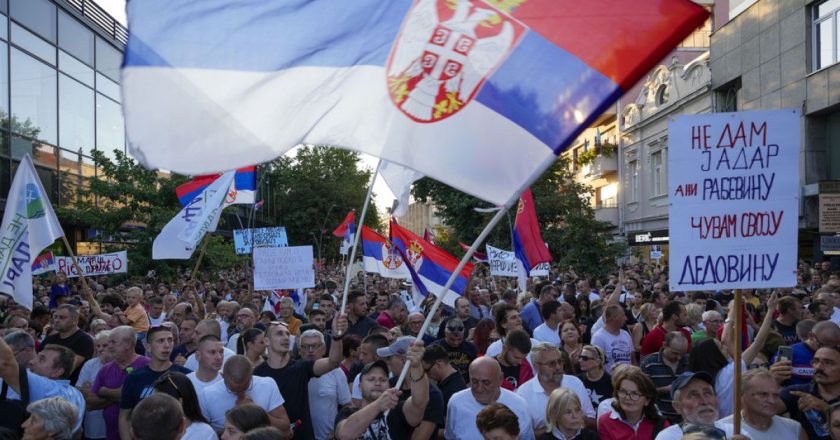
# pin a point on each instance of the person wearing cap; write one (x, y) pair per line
(382, 415)
(693, 397)
(395, 356)
(759, 394)
(485, 388)
(437, 366)
(461, 352)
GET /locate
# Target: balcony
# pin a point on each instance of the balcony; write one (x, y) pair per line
(600, 167)
(607, 212)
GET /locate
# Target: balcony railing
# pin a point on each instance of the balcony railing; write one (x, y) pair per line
(99, 16)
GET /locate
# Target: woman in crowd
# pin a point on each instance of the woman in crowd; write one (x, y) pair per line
(596, 380)
(497, 422)
(564, 418)
(179, 386)
(634, 406)
(243, 418)
(649, 315)
(50, 419)
(582, 310)
(695, 316)
(94, 423)
(350, 352)
(482, 335)
(715, 359)
(252, 345)
(570, 342)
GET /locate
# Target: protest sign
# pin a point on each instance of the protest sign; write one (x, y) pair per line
(734, 193)
(263, 237)
(502, 263)
(540, 270)
(283, 268)
(92, 265)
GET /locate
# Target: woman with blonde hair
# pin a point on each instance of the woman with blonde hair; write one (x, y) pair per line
(596, 380)
(648, 317)
(634, 413)
(564, 418)
(695, 316)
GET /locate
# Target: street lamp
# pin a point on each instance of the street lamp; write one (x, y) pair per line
(323, 225)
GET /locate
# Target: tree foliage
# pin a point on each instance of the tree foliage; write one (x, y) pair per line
(313, 192)
(567, 220)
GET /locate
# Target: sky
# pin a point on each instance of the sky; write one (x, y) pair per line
(384, 196)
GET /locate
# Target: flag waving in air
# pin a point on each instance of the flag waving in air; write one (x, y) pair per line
(528, 244)
(43, 264)
(29, 226)
(346, 229)
(243, 191)
(478, 257)
(456, 90)
(432, 264)
(381, 257)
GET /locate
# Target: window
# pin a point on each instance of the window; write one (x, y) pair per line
(825, 37)
(662, 95)
(75, 115)
(75, 38)
(107, 87)
(727, 96)
(75, 68)
(37, 15)
(633, 176)
(108, 60)
(33, 44)
(657, 182)
(110, 128)
(34, 100)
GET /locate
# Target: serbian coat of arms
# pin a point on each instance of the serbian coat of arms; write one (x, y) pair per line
(444, 52)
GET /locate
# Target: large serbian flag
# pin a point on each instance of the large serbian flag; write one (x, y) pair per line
(480, 95)
(432, 264)
(245, 186)
(381, 257)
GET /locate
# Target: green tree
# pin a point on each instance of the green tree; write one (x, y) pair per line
(314, 190)
(567, 220)
(129, 205)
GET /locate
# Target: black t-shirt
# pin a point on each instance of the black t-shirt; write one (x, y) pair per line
(180, 350)
(140, 384)
(392, 427)
(435, 409)
(461, 356)
(451, 385)
(80, 342)
(511, 374)
(788, 332)
(360, 328)
(598, 390)
(293, 382)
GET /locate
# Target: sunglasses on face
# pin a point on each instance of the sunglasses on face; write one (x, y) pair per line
(455, 329)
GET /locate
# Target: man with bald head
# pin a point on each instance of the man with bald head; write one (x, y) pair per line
(485, 388)
(822, 334)
(238, 387)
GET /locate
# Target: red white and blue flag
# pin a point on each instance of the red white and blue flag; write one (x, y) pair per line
(480, 95)
(346, 230)
(43, 263)
(432, 264)
(243, 191)
(528, 245)
(477, 257)
(381, 257)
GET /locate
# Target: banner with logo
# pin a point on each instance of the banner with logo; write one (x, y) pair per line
(262, 237)
(93, 265)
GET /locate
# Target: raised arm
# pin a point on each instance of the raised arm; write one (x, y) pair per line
(415, 406)
(9, 367)
(325, 365)
(752, 351)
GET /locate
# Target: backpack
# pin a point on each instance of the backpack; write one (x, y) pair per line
(13, 412)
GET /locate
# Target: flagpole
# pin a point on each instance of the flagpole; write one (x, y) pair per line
(200, 255)
(356, 237)
(736, 396)
(75, 263)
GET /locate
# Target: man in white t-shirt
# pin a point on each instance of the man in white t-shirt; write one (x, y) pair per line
(239, 386)
(613, 339)
(485, 388)
(549, 330)
(548, 362)
(694, 399)
(327, 392)
(759, 394)
(210, 355)
(205, 328)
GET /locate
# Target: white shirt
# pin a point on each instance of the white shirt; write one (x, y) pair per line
(618, 348)
(154, 322)
(781, 427)
(224, 325)
(836, 315)
(326, 393)
(231, 343)
(725, 388)
(201, 385)
(216, 399)
(605, 407)
(674, 432)
(463, 408)
(545, 334)
(192, 363)
(94, 422)
(536, 398)
(199, 431)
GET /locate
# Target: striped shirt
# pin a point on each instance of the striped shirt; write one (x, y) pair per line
(662, 375)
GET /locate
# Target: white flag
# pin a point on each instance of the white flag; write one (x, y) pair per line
(29, 226)
(181, 235)
(399, 179)
(346, 244)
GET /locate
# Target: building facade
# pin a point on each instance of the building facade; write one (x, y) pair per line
(419, 217)
(774, 54)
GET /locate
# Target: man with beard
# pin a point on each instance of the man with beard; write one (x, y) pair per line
(694, 398)
(462, 312)
(758, 401)
(246, 318)
(140, 383)
(806, 403)
(292, 376)
(66, 323)
(674, 317)
(461, 352)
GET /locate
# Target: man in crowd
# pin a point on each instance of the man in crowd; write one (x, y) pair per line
(159, 417)
(292, 376)
(156, 315)
(549, 330)
(613, 339)
(461, 352)
(820, 311)
(674, 317)
(326, 393)
(380, 304)
(478, 309)
(239, 386)
(507, 320)
(694, 398)
(209, 355)
(22, 345)
(821, 334)
(531, 313)
(413, 326)
(515, 367)
(358, 322)
(395, 315)
(437, 366)
(711, 323)
(106, 390)
(664, 367)
(806, 403)
(462, 312)
(790, 312)
(246, 318)
(485, 388)
(68, 334)
(205, 328)
(187, 339)
(395, 356)
(759, 394)
(549, 364)
(140, 383)
(367, 354)
(382, 414)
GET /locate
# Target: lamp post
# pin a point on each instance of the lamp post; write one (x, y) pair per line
(323, 225)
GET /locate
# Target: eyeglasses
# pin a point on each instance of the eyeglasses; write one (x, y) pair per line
(629, 395)
(552, 364)
(455, 329)
(310, 347)
(585, 358)
(755, 365)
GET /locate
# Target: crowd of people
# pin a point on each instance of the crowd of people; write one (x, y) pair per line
(573, 357)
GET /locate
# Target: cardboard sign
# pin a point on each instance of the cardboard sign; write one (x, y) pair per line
(93, 265)
(283, 268)
(262, 237)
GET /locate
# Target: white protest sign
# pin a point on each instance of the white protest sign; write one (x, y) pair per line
(540, 270)
(93, 265)
(734, 193)
(502, 263)
(283, 268)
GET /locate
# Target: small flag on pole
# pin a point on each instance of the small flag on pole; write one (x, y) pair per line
(346, 229)
(244, 189)
(528, 244)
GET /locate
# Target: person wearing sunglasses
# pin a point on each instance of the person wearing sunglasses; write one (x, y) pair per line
(461, 352)
(596, 380)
